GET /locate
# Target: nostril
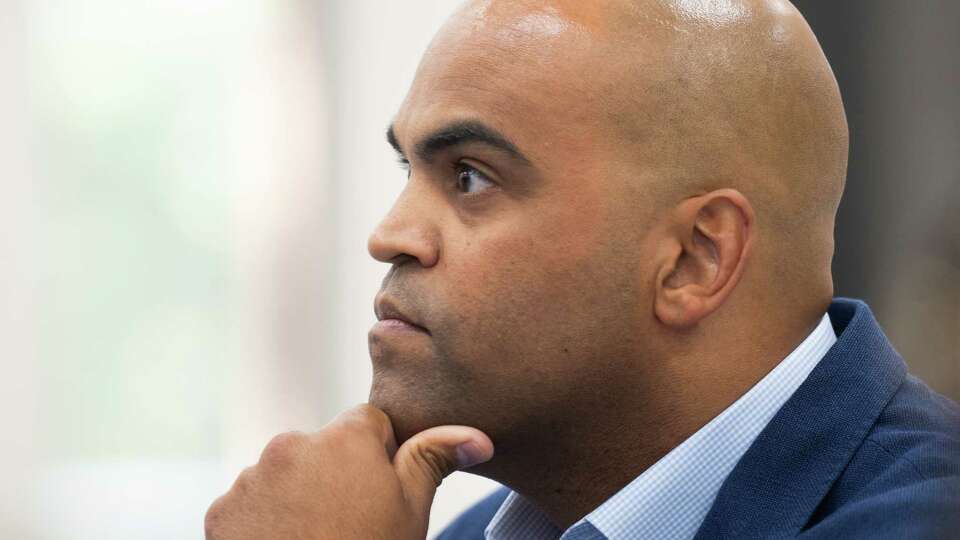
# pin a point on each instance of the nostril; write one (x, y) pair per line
(401, 259)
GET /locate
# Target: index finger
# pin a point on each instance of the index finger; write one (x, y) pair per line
(366, 418)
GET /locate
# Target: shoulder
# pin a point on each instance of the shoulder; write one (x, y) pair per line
(904, 479)
(920, 428)
(470, 524)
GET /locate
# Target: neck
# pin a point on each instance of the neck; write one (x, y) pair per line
(569, 465)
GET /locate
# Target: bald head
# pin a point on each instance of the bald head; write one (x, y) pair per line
(691, 96)
(738, 95)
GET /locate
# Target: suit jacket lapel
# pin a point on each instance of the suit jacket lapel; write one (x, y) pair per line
(783, 476)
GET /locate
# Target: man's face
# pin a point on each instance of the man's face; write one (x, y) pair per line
(517, 242)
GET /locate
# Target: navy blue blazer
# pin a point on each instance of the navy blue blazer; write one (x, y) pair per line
(861, 450)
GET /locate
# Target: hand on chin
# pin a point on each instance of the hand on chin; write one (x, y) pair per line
(347, 481)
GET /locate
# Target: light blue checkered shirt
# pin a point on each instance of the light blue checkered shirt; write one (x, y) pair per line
(671, 498)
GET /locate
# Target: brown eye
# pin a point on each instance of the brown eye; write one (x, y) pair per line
(470, 180)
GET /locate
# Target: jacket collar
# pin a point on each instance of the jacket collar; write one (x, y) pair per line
(783, 476)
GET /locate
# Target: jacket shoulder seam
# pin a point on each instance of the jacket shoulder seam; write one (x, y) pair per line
(895, 458)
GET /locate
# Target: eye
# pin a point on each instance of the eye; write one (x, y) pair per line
(404, 164)
(470, 180)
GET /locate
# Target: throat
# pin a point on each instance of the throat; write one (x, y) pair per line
(567, 481)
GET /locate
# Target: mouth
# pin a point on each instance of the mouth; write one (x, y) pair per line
(391, 318)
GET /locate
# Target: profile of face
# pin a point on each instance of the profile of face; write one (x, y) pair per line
(580, 197)
(517, 244)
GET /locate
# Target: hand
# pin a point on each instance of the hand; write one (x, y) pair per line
(347, 481)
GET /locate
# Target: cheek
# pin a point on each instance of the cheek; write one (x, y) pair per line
(530, 245)
(535, 287)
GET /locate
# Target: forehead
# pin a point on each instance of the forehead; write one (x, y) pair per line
(525, 73)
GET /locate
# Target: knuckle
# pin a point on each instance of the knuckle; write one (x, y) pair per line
(373, 415)
(434, 462)
(214, 519)
(347, 430)
(244, 480)
(364, 420)
(282, 449)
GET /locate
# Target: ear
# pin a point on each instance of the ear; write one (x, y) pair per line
(711, 237)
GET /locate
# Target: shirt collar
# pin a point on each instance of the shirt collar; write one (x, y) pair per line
(671, 498)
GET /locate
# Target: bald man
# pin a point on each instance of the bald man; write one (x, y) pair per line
(611, 264)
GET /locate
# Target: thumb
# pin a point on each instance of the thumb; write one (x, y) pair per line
(425, 459)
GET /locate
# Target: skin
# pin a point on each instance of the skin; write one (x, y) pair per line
(663, 242)
(599, 305)
(347, 481)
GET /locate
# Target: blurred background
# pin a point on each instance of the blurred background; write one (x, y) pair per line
(187, 190)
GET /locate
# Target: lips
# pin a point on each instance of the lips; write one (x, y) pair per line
(390, 314)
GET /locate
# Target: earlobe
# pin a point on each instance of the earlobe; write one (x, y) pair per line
(714, 233)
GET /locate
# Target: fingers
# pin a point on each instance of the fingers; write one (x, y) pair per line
(431, 455)
(364, 420)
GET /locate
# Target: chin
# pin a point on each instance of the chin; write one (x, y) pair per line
(417, 388)
(409, 407)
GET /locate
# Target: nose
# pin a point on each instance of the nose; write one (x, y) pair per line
(407, 232)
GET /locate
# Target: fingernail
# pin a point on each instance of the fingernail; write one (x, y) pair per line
(470, 454)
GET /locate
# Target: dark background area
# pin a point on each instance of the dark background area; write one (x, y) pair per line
(898, 231)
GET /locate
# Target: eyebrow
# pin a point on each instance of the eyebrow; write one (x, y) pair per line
(457, 133)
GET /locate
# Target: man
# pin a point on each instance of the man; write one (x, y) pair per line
(611, 263)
